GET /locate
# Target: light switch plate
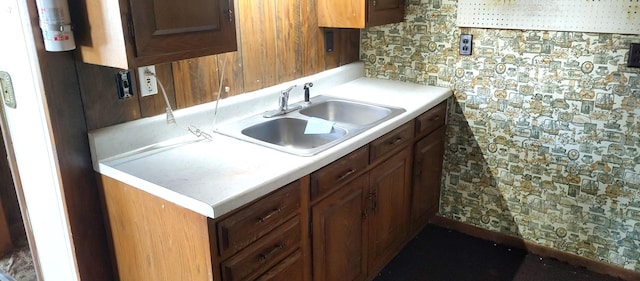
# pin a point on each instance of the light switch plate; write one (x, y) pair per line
(123, 84)
(466, 41)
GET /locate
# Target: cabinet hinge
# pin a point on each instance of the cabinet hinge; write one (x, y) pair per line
(130, 29)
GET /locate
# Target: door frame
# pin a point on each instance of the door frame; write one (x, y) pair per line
(27, 132)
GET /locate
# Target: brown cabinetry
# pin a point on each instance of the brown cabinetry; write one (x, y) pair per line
(389, 190)
(427, 166)
(343, 222)
(128, 34)
(359, 13)
(340, 234)
(363, 221)
(262, 240)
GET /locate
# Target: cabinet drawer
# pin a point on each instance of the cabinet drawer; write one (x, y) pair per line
(392, 141)
(254, 221)
(432, 119)
(290, 269)
(263, 254)
(338, 172)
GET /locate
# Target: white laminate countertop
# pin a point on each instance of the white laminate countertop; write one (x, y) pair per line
(215, 177)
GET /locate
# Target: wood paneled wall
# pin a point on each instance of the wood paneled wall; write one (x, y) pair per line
(278, 41)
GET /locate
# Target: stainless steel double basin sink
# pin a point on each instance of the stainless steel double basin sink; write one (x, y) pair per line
(289, 132)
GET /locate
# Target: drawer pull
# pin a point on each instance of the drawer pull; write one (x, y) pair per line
(348, 173)
(395, 141)
(435, 118)
(269, 215)
(373, 197)
(270, 253)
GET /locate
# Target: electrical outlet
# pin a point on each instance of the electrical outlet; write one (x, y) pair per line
(634, 55)
(148, 82)
(466, 44)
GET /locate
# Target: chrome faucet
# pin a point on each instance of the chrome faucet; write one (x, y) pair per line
(283, 104)
(284, 98)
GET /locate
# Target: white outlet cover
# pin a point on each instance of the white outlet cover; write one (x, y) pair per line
(148, 83)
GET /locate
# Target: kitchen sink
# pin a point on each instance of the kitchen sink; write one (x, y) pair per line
(350, 112)
(287, 132)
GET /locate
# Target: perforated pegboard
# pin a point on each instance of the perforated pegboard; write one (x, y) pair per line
(603, 16)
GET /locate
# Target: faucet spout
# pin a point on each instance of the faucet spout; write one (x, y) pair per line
(283, 104)
(284, 98)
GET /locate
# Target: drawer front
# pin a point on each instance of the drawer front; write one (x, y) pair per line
(392, 141)
(289, 269)
(431, 120)
(263, 254)
(341, 171)
(254, 221)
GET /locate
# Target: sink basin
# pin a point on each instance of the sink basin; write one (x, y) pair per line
(289, 132)
(347, 112)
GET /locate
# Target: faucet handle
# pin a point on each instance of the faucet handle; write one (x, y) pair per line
(286, 92)
(283, 102)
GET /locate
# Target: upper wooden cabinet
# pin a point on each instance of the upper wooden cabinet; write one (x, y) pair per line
(128, 34)
(359, 13)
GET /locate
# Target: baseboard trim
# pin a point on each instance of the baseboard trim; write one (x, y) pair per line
(536, 249)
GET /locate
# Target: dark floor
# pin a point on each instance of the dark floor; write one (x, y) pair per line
(439, 254)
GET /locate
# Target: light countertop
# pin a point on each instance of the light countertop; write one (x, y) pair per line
(215, 177)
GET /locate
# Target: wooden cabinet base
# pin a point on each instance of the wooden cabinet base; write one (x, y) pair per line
(154, 239)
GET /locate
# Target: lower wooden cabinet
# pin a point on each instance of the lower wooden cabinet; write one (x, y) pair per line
(361, 226)
(390, 185)
(427, 169)
(344, 222)
(340, 234)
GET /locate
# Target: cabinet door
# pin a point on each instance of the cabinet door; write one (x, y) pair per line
(169, 27)
(426, 178)
(384, 12)
(389, 208)
(339, 234)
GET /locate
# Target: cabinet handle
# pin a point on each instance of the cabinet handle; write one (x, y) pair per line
(229, 12)
(373, 197)
(395, 141)
(375, 3)
(269, 215)
(348, 173)
(270, 253)
(435, 118)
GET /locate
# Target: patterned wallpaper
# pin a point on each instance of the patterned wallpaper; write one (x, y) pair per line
(544, 129)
